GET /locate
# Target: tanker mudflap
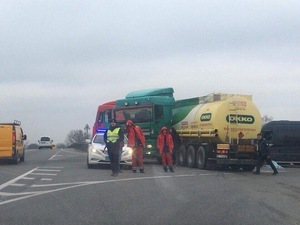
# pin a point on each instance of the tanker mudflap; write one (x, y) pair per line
(236, 162)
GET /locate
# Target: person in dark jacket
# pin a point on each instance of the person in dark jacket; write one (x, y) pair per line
(177, 143)
(114, 138)
(263, 154)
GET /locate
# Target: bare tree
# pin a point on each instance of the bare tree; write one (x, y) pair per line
(76, 136)
(267, 119)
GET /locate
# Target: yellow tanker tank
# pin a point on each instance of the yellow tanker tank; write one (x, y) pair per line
(219, 118)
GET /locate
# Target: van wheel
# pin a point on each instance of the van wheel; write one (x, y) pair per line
(15, 160)
(191, 155)
(182, 155)
(200, 158)
(23, 157)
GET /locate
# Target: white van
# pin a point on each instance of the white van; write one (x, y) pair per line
(45, 142)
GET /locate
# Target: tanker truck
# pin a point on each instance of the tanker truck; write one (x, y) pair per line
(218, 130)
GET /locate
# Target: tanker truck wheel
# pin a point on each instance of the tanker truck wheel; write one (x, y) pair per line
(200, 158)
(182, 155)
(191, 156)
(248, 168)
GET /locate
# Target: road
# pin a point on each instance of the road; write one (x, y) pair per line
(56, 187)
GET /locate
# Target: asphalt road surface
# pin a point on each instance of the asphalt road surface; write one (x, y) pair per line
(56, 187)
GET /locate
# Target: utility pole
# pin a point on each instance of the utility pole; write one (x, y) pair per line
(87, 128)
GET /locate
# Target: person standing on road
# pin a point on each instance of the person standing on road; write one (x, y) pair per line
(114, 138)
(177, 142)
(165, 146)
(263, 154)
(137, 141)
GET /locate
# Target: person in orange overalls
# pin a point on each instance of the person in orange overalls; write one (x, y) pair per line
(165, 146)
(137, 141)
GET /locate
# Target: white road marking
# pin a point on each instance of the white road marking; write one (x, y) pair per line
(56, 154)
(46, 179)
(17, 185)
(2, 186)
(27, 178)
(48, 170)
(51, 167)
(25, 195)
(45, 174)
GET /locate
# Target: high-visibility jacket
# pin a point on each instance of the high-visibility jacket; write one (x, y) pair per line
(113, 135)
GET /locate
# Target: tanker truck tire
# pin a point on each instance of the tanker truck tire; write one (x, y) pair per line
(182, 155)
(191, 156)
(248, 168)
(200, 158)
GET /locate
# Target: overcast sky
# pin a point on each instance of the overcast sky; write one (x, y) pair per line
(60, 59)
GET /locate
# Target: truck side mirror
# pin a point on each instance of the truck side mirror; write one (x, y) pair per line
(24, 137)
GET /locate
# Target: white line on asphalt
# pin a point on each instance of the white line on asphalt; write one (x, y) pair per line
(45, 174)
(46, 179)
(56, 154)
(192, 175)
(27, 178)
(79, 184)
(49, 170)
(109, 181)
(17, 185)
(51, 167)
(15, 179)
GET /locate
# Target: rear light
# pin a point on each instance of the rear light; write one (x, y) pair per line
(222, 151)
(13, 137)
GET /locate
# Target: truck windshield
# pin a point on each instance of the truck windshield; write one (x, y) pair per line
(137, 115)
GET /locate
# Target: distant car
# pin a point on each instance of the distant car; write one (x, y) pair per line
(45, 142)
(97, 152)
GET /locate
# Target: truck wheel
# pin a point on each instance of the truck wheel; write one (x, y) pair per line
(159, 161)
(248, 168)
(200, 158)
(191, 156)
(235, 167)
(182, 155)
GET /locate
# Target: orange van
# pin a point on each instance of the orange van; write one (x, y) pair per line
(12, 142)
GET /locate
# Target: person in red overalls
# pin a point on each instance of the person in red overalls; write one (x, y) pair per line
(136, 140)
(165, 146)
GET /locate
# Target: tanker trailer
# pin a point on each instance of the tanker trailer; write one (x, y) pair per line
(217, 129)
